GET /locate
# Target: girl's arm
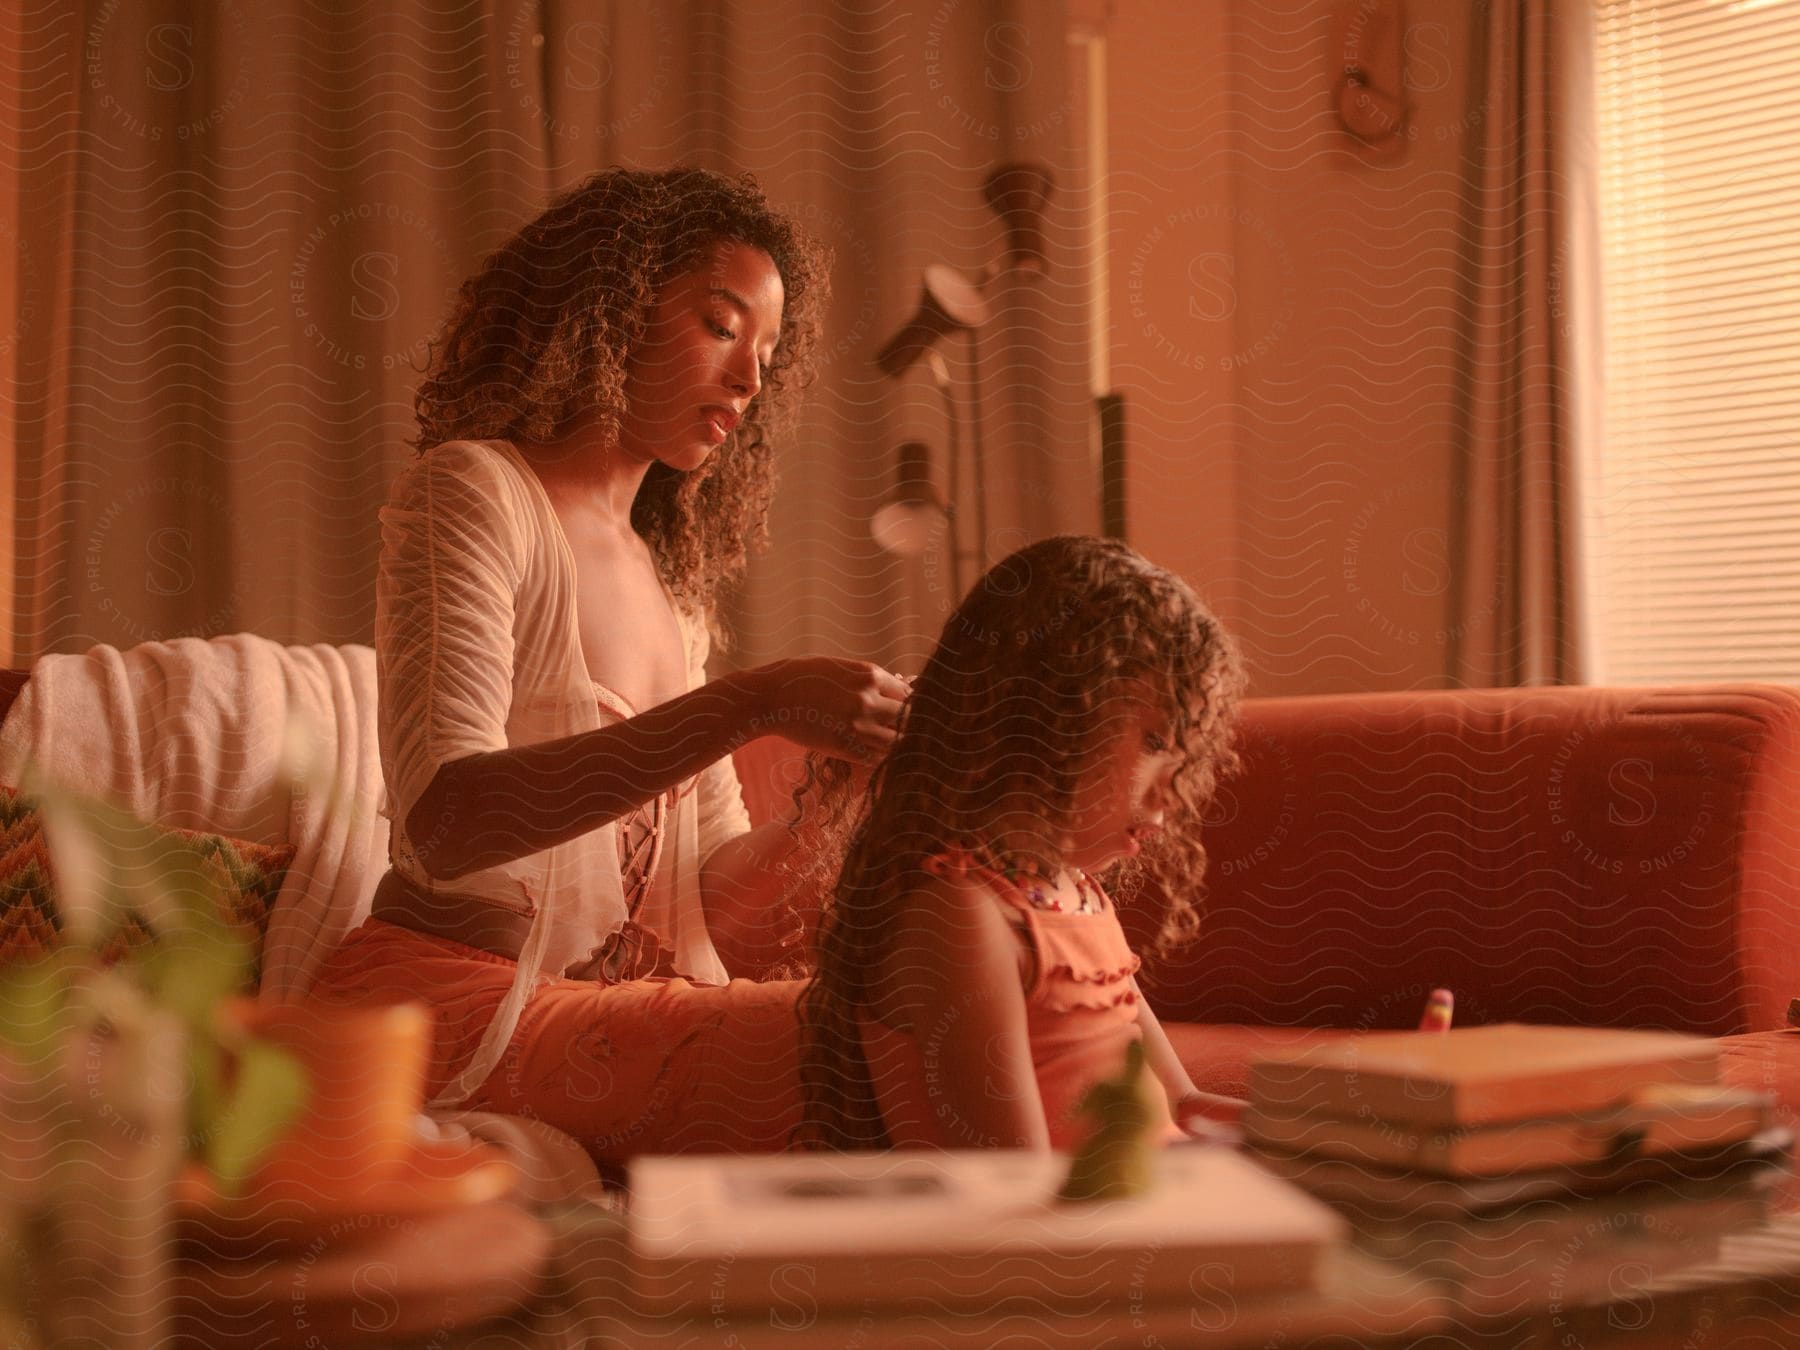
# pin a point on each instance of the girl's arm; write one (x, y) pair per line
(954, 975)
(1184, 1098)
(498, 805)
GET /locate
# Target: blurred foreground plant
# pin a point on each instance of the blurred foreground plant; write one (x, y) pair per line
(113, 870)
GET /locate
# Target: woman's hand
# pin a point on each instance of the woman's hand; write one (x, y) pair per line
(846, 709)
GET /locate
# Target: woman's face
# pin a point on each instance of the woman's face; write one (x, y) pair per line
(711, 333)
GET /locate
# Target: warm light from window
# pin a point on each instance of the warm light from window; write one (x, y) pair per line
(1694, 529)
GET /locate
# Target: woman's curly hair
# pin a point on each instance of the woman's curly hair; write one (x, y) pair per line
(540, 338)
(1023, 691)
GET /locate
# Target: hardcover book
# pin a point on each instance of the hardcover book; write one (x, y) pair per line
(1476, 1076)
(1663, 1118)
(978, 1228)
(1374, 1193)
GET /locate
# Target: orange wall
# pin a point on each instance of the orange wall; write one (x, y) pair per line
(1282, 302)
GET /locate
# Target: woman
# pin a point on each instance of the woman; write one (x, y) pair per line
(594, 468)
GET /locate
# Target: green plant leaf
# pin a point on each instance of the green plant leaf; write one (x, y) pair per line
(270, 1091)
(192, 971)
(83, 866)
(206, 1092)
(33, 1002)
(109, 866)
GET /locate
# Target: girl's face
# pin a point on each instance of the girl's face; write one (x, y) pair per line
(711, 334)
(1125, 788)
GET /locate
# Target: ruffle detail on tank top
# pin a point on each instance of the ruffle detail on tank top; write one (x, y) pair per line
(1064, 999)
(1089, 975)
(1078, 971)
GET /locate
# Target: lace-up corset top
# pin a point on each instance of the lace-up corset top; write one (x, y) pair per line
(640, 849)
(642, 830)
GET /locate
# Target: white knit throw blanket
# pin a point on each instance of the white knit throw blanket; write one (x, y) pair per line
(236, 735)
(242, 736)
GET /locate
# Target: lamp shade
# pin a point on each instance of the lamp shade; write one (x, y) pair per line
(915, 512)
(949, 302)
(1017, 193)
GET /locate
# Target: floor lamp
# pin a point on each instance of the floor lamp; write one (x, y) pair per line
(951, 301)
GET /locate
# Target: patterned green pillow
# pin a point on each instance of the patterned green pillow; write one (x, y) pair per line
(247, 877)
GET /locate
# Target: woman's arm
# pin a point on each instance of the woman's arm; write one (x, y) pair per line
(456, 545)
(498, 805)
(954, 974)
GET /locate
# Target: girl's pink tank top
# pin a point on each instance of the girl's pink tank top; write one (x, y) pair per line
(1081, 1012)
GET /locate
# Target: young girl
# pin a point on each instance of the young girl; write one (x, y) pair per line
(568, 833)
(973, 980)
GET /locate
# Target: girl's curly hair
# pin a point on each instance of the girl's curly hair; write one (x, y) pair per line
(540, 337)
(1023, 690)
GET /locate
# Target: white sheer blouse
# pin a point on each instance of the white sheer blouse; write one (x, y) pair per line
(477, 648)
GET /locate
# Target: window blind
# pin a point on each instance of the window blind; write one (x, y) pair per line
(1694, 538)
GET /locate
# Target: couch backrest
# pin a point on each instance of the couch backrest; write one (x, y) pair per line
(769, 768)
(1609, 856)
(11, 681)
(1625, 857)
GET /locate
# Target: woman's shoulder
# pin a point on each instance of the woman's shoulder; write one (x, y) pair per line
(486, 462)
(467, 478)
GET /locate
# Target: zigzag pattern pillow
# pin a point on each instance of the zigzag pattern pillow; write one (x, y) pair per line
(247, 877)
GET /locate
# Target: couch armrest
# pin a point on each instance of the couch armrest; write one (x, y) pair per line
(11, 682)
(1621, 857)
(763, 946)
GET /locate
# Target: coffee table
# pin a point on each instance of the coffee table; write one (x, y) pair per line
(1750, 1296)
(419, 1280)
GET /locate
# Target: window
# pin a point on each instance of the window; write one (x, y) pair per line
(1695, 525)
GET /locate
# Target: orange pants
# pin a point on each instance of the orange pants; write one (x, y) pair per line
(647, 1066)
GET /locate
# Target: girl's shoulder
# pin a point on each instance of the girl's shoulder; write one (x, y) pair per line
(959, 875)
(953, 926)
(1018, 891)
(956, 891)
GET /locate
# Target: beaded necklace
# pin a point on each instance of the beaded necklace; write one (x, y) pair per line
(1032, 884)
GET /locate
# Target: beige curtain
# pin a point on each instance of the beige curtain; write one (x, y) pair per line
(1526, 350)
(1363, 362)
(235, 226)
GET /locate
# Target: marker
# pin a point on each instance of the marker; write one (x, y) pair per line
(1439, 1008)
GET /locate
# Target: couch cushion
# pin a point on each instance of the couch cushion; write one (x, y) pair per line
(246, 877)
(1587, 856)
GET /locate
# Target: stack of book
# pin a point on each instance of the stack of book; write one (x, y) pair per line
(1522, 1165)
(838, 1249)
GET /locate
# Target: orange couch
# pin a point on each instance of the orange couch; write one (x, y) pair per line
(1580, 855)
(1617, 857)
